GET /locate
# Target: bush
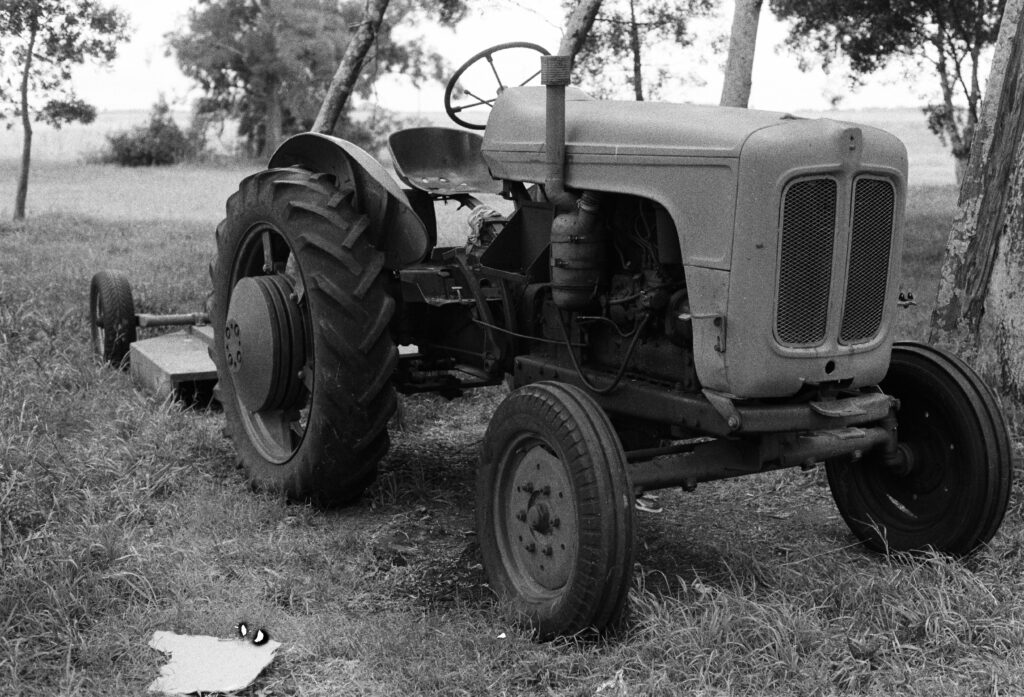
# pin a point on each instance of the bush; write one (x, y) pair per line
(158, 142)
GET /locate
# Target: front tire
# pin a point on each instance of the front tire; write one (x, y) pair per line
(303, 353)
(555, 510)
(953, 491)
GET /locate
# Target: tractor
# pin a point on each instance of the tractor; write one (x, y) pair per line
(680, 294)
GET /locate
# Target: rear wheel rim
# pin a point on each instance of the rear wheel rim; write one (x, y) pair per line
(276, 431)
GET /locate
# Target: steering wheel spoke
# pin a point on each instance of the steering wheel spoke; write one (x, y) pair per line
(455, 89)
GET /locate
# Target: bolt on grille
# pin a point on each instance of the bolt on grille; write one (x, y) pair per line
(870, 243)
(805, 268)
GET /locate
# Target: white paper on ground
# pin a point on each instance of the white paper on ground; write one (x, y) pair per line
(207, 663)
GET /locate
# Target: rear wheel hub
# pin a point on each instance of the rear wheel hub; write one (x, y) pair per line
(265, 343)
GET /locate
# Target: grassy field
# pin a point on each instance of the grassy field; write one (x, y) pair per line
(121, 515)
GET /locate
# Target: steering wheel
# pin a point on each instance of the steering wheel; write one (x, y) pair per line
(486, 55)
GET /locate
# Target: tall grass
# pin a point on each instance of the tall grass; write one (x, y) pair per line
(120, 515)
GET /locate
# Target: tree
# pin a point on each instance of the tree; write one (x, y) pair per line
(624, 31)
(577, 27)
(269, 63)
(947, 35)
(739, 66)
(345, 76)
(40, 42)
(980, 309)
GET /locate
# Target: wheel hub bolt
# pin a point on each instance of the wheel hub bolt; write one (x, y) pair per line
(521, 516)
(546, 491)
(548, 551)
(531, 547)
(528, 487)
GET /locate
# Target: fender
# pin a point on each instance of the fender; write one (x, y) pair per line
(397, 230)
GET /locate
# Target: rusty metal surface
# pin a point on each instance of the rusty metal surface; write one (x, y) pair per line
(661, 404)
(441, 161)
(404, 238)
(185, 319)
(723, 459)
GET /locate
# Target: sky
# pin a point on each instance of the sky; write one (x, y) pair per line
(143, 69)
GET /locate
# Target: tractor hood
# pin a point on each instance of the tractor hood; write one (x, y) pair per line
(600, 128)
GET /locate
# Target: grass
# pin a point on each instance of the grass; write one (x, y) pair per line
(121, 514)
(930, 210)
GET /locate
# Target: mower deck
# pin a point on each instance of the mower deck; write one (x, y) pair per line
(164, 363)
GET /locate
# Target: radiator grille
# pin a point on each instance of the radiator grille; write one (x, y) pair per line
(805, 268)
(870, 243)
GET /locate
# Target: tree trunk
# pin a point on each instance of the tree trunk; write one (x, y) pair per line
(740, 64)
(351, 64)
(980, 308)
(21, 194)
(960, 164)
(577, 27)
(634, 46)
(274, 130)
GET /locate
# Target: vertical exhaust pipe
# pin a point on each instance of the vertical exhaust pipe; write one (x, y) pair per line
(555, 73)
(577, 239)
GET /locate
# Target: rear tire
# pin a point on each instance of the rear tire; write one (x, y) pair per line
(111, 317)
(555, 510)
(956, 490)
(319, 427)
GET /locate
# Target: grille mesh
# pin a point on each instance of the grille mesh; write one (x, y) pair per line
(871, 240)
(805, 269)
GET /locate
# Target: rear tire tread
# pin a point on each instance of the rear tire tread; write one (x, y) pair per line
(353, 399)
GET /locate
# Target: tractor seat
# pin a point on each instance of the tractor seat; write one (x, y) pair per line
(441, 161)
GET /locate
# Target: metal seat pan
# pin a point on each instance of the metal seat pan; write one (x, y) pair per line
(441, 161)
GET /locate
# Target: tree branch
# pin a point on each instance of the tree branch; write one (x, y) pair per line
(345, 77)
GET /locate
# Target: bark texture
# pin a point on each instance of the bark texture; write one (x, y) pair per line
(634, 46)
(351, 64)
(275, 121)
(21, 193)
(980, 308)
(739, 66)
(578, 26)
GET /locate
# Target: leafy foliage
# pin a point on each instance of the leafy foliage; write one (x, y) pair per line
(268, 65)
(160, 141)
(40, 42)
(626, 31)
(948, 36)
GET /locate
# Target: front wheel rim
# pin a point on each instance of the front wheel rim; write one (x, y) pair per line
(926, 493)
(536, 519)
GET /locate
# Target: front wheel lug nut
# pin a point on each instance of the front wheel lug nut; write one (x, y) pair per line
(548, 551)
(531, 547)
(521, 516)
(546, 491)
(555, 522)
(528, 487)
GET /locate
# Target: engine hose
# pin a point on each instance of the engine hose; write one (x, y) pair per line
(622, 368)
